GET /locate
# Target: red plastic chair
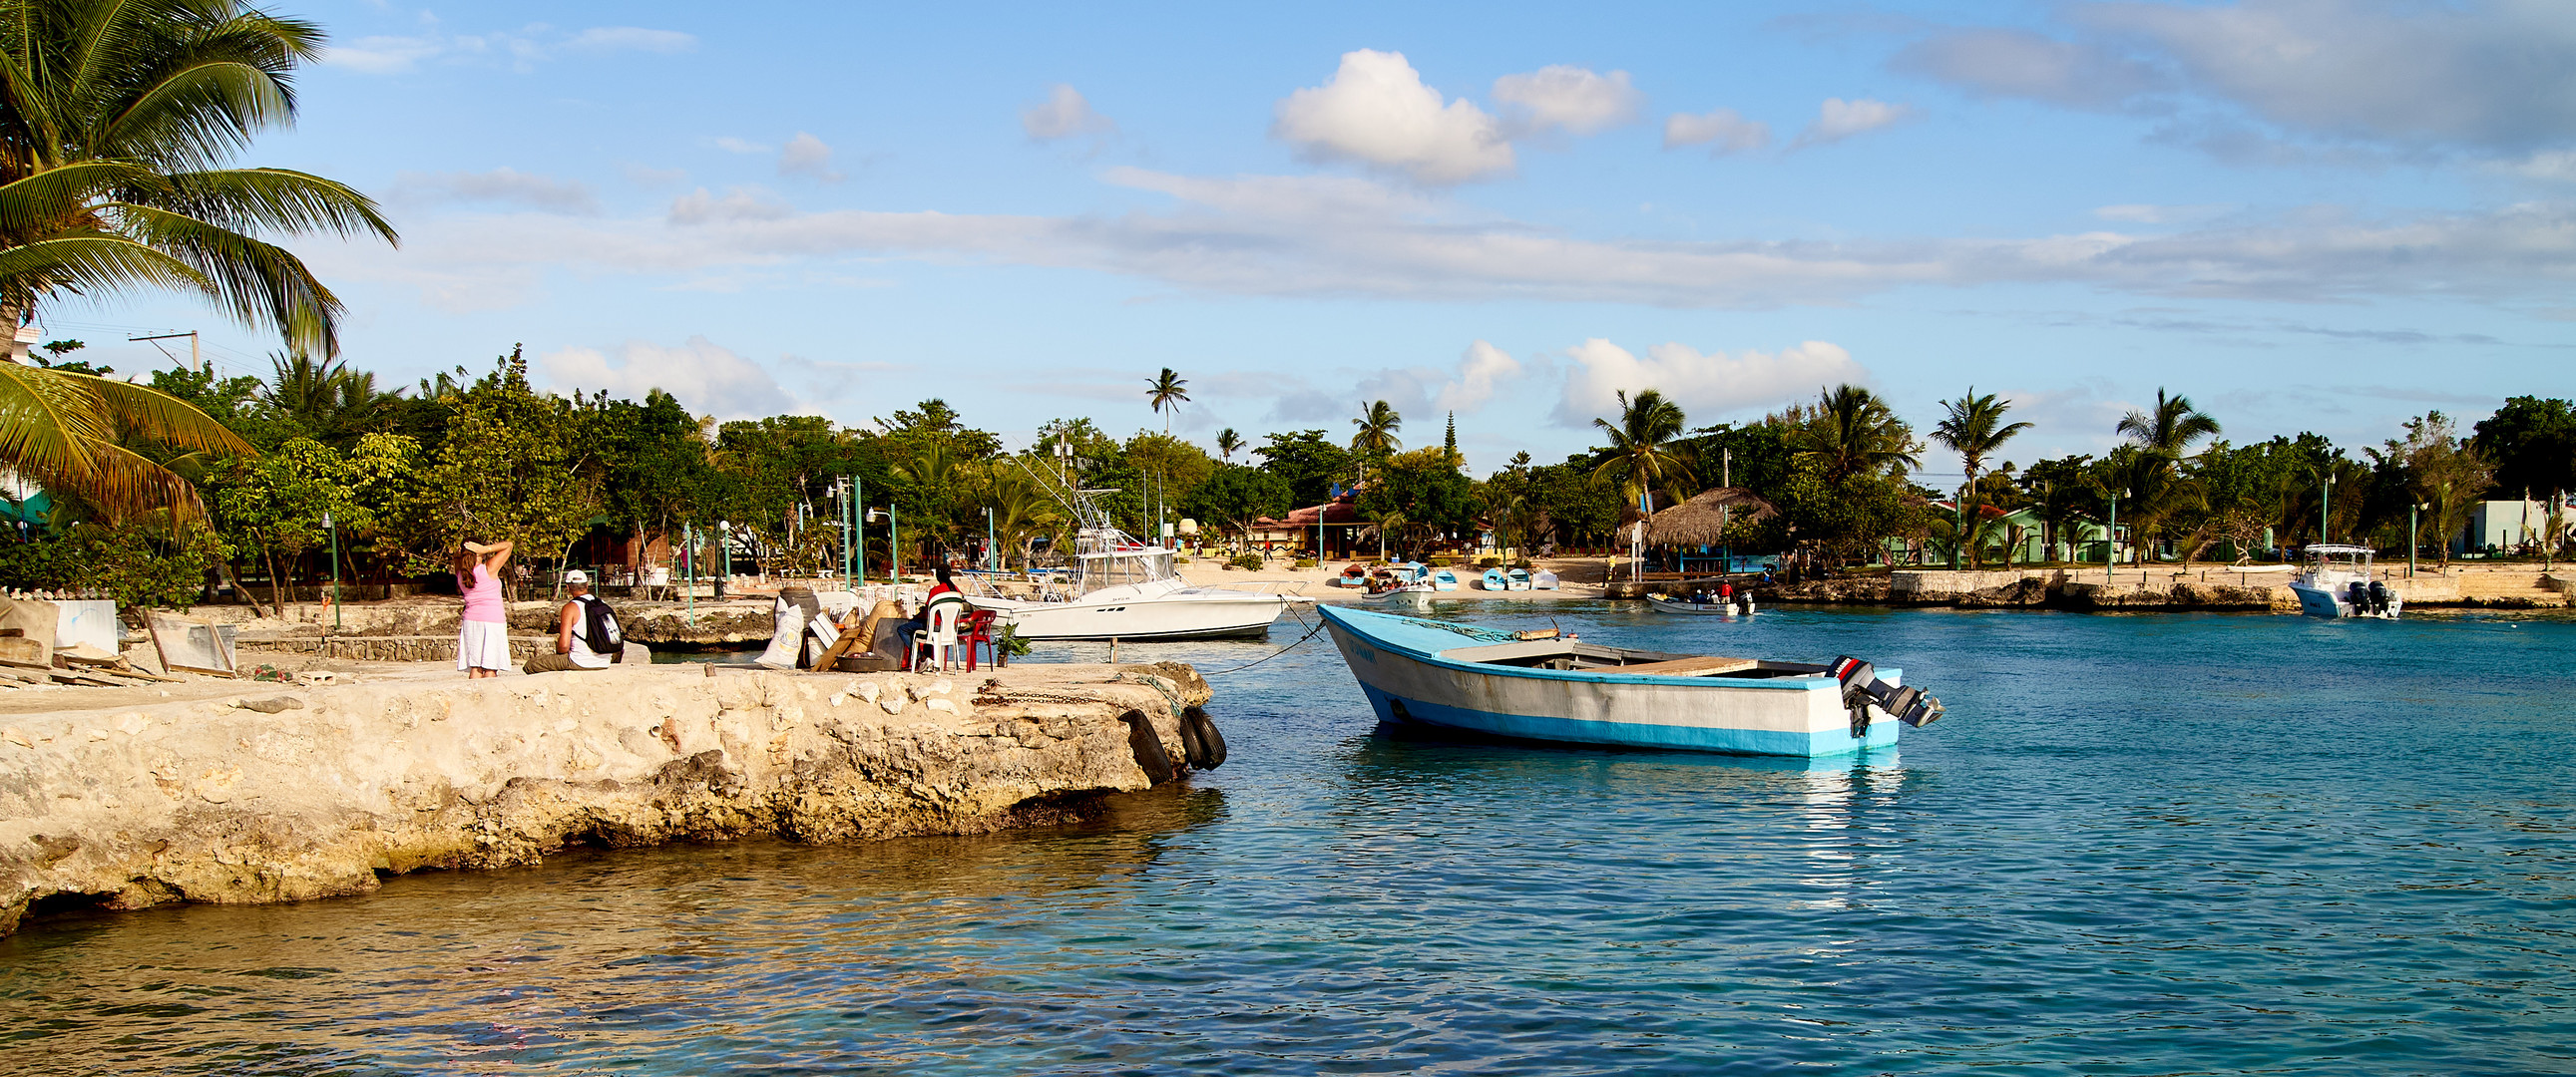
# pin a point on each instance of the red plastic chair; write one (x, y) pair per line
(978, 628)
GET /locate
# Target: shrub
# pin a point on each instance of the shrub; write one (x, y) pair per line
(1489, 561)
(1249, 562)
(1305, 562)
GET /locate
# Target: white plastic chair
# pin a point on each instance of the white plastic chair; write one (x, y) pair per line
(938, 635)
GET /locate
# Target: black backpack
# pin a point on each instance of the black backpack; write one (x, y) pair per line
(599, 627)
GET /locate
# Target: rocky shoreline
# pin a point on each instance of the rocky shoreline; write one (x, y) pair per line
(2206, 589)
(283, 793)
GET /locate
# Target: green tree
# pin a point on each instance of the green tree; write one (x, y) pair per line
(656, 470)
(1642, 457)
(507, 470)
(1975, 429)
(1308, 463)
(275, 507)
(1167, 390)
(76, 436)
(1426, 490)
(1228, 443)
(2441, 473)
(1853, 432)
(1234, 495)
(328, 401)
(2532, 443)
(1377, 425)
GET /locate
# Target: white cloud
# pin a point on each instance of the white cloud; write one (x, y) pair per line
(2144, 213)
(808, 155)
(1838, 119)
(738, 205)
(382, 55)
(1705, 385)
(522, 49)
(1340, 237)
(1062, 115)
(708, 378)
(1570, 99)
(504, 185)
(1479, 372)
(632, 39)
(2019, 63)
(1723, 129)
(730, 144)
(2556, 166)
(1376, 111)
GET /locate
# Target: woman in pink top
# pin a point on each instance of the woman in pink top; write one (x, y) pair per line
(483, 639)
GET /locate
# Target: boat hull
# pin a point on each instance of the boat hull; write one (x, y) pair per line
(1801, 717)
(1168, 617)
(1660, 604)
(2317, 601)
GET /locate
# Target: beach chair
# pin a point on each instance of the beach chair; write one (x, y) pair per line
(979, 630)
(938, 634)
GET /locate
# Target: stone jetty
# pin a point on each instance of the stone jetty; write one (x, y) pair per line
(235, 792)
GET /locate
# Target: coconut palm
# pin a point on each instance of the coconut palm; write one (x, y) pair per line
(1378, 424)
(2170, 430)
(1168, 390)
(1974, 429)
(1853, 432)
(115, 122)
(68, 433)
(1228, 443)
(1643, 457)
(329, 399)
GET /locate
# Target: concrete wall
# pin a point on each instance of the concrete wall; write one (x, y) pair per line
(212, 800)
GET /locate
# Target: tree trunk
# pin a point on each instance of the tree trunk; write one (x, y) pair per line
(224, 568)
(276, 581)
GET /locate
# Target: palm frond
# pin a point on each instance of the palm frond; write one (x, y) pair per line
(261, 282)
(91, 263)
(251, 199)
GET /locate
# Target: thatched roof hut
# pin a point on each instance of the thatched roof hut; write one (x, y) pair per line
(1696, 522)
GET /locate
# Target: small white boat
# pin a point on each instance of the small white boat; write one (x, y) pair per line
(1493, 580)
(1543, 580)
(1516, 580)
(1741, 605)
(2338, 582)
(1542, 687)
(1396, 580)
(1444, 580)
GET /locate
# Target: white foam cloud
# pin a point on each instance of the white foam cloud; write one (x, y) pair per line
(502, 185)
(1838, 119)
(731, 144)
(1064, 114)
(1704, 385)
(1376, 111)
(1480, 371)
(1723, 130)
(383, 55)
(1571, 99)
(808, 155)
(632, 39)
(738, 205)
(708, 378)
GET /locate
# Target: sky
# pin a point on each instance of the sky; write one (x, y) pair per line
(2302, 214)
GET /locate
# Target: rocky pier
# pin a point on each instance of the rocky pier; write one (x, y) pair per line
(271, 792)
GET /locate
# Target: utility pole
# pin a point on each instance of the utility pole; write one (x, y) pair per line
(2111, 538)
(196, 348)
(2325, 503)
(1726, 513)
(2411, 537)
(334, 528)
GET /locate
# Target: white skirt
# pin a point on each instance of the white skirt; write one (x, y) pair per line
(483, 645)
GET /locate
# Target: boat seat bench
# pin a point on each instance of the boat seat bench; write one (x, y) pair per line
(1704, 666)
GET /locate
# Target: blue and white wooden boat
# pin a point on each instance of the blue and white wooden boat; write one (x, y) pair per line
(1494, 580)
(1537, 686)
(1516, 580)
(1444, 580)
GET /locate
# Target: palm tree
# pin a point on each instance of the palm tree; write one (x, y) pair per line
(1974, 429)
(1642, 456)
(115, 121)
(1168, 390)
(67, 432)
(1853, 432)
(331, 401)
(1378, 424)
(1228, 443)
(2170, 430)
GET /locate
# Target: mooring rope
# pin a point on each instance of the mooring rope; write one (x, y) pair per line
(1301, 640)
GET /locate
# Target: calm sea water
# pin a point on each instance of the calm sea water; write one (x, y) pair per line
(2164, 844)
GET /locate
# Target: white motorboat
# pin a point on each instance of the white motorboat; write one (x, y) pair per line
(1119, 588)
(2338, 582)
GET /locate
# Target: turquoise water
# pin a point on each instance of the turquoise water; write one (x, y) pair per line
(2157, 844)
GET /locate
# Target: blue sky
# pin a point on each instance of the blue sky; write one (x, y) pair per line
(2306, 215)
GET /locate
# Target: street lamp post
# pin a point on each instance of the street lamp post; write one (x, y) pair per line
(2325, 514)
(2412, 537)
(334, 528)
(2111, 538)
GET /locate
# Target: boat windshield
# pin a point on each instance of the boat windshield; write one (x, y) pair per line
(2355, 557)
(1112, 568)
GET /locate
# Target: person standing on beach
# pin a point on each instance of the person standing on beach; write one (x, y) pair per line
(483, 638)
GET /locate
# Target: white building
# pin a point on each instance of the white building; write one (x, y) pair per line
(2505, 525)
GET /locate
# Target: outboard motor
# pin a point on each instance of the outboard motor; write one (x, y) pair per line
(2378, 597)
(2358, 595)
(1861, 687)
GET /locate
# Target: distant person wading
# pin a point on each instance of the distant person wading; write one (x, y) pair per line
(483, 639)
